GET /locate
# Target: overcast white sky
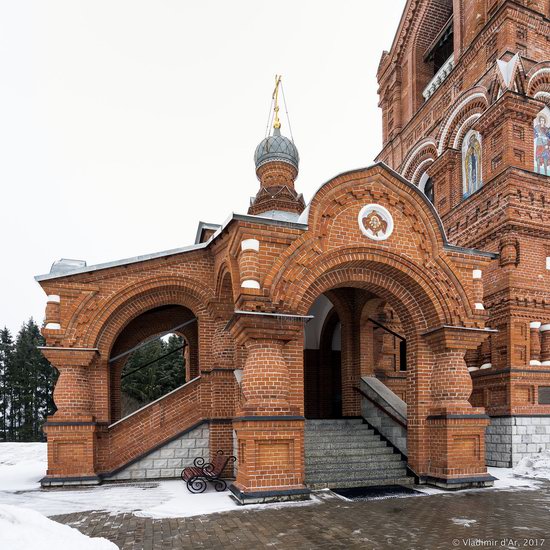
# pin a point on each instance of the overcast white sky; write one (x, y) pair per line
(124, 123)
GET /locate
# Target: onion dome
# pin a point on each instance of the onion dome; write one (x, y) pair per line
(276, 148)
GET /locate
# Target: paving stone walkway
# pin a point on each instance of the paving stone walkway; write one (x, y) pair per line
(486, 519)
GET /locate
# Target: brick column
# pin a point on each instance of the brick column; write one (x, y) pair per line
(545, 345)
(456, 430)
(535, 343)
(72, 444)
(219, 392)
(269, 426)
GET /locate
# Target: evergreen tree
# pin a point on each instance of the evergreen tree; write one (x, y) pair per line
(152, 370)
(30, 380)
(6, 368)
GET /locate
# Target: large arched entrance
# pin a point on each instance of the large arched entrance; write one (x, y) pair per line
(405, 301)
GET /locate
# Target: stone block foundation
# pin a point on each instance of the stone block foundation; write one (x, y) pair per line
(169, 460)
(511, 438)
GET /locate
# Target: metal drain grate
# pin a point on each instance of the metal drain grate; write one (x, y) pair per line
(377, 492)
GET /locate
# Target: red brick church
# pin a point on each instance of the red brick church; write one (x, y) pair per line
(395, 329)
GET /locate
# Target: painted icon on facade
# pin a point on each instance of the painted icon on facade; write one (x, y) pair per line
(375, 222)
(471, 163)
(542, 142)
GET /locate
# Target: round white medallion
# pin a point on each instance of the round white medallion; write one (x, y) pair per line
(375, 222)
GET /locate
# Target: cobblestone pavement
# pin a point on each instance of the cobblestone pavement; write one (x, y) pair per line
(515, 518)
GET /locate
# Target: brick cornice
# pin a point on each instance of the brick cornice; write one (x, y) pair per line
(249, 326)
(449, 337)
(73, 357)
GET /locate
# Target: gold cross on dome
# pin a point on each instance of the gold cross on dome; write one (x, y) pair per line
(277, 122)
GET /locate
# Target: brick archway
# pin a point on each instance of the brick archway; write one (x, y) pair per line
(418, 313)
(146, 327)
(417, 305)
(104, 329)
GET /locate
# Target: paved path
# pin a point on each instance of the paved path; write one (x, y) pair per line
(496, 518)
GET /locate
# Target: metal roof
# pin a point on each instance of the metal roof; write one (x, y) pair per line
(83, 268)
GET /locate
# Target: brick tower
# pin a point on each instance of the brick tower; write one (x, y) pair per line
(465, 97)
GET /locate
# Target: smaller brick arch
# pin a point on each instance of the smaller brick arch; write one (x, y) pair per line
(225, 290)
(417, 161)
(473, 102)
(136, 299)
(538, 82)
(461, 131)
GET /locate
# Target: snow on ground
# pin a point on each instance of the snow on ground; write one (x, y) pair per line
(463, 521)
(28, 530)
(536, 466)
(22, 465)
(505, 479)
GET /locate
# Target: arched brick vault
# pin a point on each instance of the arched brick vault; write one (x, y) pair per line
(402, 292)
(153, 323)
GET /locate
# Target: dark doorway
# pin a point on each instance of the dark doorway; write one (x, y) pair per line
(323, 373)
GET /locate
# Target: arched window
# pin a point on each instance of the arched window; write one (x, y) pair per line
(541, 131)
(426, 185)
(471, 163)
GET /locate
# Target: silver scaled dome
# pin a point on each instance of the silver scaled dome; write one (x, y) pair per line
(276, 148)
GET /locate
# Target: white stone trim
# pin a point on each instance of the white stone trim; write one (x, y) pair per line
(54, 299)
(250, 244)
(486, 366)
(535, 324)
(479, 306)
(476, 274)
(472, 369)
(53, 326)
(439, 77)
(547, 262)
(544, 328)
(250, 283)
(535, 363)
(541, 94)
(545, 364)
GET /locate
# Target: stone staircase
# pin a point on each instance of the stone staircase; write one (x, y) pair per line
(347, 453)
